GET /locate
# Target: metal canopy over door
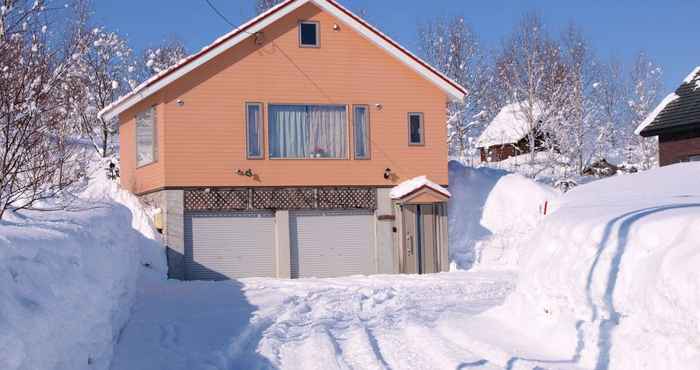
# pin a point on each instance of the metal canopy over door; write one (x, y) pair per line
(225, 245)
(332, 243)
(420, 254)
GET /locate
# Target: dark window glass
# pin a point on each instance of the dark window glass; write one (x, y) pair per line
(416, 128)
(309, 34)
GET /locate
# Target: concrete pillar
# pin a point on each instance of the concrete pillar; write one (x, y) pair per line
(385, 250)
(174, 233)
(282, 244)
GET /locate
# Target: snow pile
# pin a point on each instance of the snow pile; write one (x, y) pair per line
(409, 186)
(67, 279)
(489, 212)
(611, 279)
(509, 126)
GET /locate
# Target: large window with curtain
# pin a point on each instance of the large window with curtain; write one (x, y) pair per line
(307, 131)
(146, 149)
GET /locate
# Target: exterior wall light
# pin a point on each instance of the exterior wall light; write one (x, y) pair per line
(387, 174)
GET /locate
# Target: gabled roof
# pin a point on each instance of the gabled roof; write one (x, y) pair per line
(679, 111)
(414, 185)
(508, 127)
(231, 39)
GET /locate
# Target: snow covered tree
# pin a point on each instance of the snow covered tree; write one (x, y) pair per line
(578, 132)
(159, 58)
(262, 6)
(610, 95)
(644, 93)
(38, 49)
(532, 74)
(452, 47)
(105, 71)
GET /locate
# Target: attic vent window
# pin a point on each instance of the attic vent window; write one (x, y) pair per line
(309, 34)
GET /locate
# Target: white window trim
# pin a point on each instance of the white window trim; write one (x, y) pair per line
(261, 135)
(155, 138)
(318, 34)
(421, 129)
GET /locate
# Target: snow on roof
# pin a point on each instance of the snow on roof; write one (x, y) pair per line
(227, 41)
(509, 126)
(652, 116)
(409, 186)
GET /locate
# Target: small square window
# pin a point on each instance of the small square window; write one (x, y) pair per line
(415, 129)
(308, 34)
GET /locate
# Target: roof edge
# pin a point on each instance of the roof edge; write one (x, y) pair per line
(149, 87)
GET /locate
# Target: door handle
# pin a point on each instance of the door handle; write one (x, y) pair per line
(409, 248)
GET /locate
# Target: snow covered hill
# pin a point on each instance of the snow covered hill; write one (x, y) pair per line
(611, 280)
(68, 278)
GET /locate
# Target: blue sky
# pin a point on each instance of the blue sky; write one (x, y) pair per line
(667, 30)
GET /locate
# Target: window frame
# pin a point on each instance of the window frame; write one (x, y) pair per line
(346, 156)
(318, 34)
(421, 128)
(261, 135)
(154, 132)
(368, 155)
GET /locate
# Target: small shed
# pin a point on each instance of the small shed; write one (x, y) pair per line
(507, 134)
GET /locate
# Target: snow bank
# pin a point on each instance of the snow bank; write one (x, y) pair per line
(489, 211)
(612, 278)
(67, 279)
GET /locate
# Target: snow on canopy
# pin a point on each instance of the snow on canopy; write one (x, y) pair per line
(409, 186)
(509, 126)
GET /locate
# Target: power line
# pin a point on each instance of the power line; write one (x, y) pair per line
(220, 14)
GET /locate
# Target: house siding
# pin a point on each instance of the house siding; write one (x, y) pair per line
(202, 141)
(674, 148)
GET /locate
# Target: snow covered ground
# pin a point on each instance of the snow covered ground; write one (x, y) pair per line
(609, 280)
(374, 322)
(68, 278)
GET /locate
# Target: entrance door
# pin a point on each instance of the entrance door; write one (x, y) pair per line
(420, 255)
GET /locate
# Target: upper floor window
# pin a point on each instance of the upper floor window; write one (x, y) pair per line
(415, 129)
(146, 148)
(254, 131)
(307, 131)
(309, 34)
(361, 131)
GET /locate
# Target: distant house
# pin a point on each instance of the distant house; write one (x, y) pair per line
(273, 151)
(507, 135)
(676, 121)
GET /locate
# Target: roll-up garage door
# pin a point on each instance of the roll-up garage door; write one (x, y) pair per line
(225, 245)
(332, 243)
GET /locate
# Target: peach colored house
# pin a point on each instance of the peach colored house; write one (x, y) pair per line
(272, 152)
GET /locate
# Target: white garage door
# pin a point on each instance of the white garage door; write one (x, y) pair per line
(225, 245)
(332, 243)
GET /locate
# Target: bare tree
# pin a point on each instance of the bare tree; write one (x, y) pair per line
(262, 6)
(610, 94)
(105, 71)
(37, 155)
(644, 92)
(532, 74)
(577, 133)
(160, 57)
(452, 47)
